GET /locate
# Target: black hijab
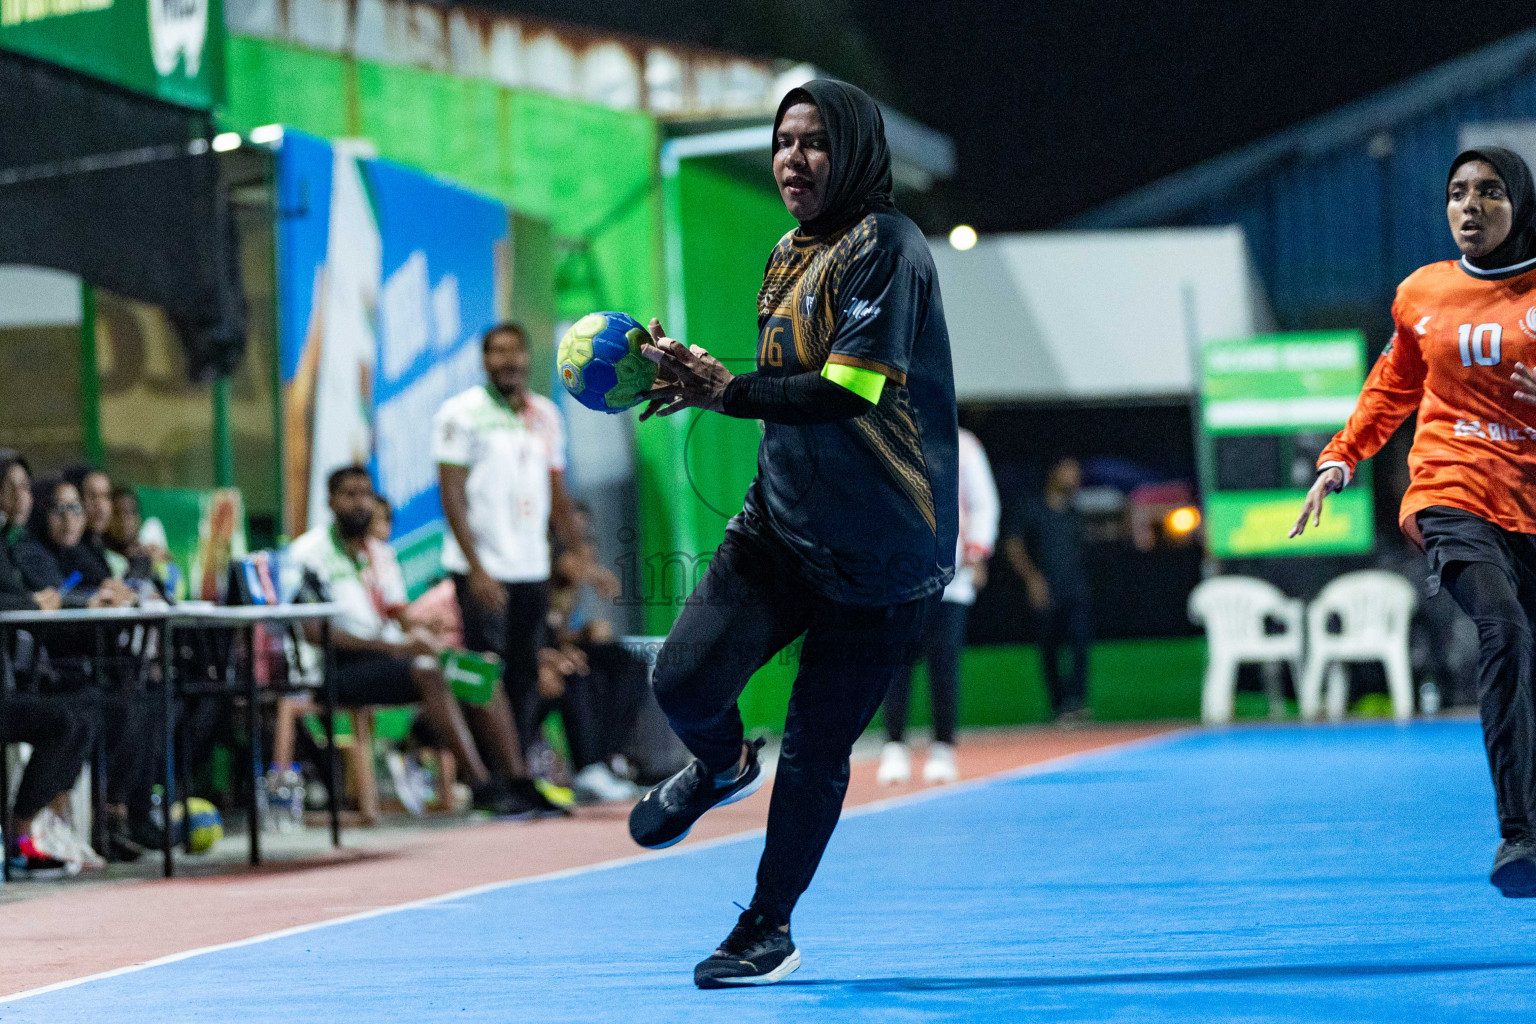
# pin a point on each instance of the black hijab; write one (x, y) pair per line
(93, 571)
(8, 459)
(1520, 245)
(860, 182)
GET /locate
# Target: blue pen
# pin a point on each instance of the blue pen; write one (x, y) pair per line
(70, 583)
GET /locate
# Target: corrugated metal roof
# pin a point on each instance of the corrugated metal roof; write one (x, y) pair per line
(1178, 194)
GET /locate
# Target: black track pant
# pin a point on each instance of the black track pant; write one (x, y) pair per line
(598, 709)
(1067, 623)
(942, 642)
(515, 632)
(1491, 572)
(578, 713)
(60, 734)
(749, 606)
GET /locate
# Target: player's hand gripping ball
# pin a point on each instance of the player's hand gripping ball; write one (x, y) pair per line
(600, 363)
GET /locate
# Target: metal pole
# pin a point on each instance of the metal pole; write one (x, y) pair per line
(168, 696)
(99, 760)
(258, 780)
(90, 380)
(275, 340)
(7, 822)
(328, 681)
(223, 442)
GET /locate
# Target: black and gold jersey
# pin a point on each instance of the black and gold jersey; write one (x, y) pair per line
(868, 504)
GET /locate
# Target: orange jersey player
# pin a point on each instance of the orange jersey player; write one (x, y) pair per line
(1461, 355)
(1459, 334)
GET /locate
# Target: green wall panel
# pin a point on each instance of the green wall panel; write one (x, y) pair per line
(695, 467)
(270, 84)
(1128, 680)
(1135, 680)
(435, 122)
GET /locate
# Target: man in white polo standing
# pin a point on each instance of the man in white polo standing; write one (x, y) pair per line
(500, 453)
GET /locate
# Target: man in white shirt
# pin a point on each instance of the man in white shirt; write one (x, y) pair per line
(945, 635)
(500, 452)
(377, 662)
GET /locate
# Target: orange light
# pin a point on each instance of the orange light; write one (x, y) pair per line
(1182, 520)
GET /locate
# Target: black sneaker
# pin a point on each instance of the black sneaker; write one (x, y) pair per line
(515, 798)
(148, 833)
(755, 953)
(121, 849)
(496, 799)
(1514, 868)
(667, 812)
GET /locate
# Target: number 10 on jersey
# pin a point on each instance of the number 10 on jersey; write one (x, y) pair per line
(1481, 344)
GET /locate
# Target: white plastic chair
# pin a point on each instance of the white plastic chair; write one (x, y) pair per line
(1234, 611)
(1374, 610)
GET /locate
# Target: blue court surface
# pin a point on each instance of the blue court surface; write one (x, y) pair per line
(1258, 874)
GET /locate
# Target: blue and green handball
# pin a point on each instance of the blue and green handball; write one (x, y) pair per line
(600, 364)
(206, 824)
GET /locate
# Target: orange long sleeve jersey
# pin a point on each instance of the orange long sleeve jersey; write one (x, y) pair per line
(1458, 336)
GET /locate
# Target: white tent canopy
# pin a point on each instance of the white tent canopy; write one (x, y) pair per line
(1093, 315)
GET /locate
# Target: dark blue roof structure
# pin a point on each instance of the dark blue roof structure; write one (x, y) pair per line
(1339, 209)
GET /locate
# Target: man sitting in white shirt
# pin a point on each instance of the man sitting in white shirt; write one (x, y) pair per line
(377, 662)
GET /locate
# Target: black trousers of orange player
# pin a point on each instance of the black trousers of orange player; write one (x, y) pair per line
(1491, 572)
(750, 605)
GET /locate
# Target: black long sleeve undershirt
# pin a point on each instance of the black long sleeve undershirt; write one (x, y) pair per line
(799, 399)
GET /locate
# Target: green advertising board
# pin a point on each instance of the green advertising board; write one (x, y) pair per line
(1267, 406)
(170, 49)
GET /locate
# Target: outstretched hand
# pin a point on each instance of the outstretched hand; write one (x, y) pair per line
(1328, 481)
(687, 378)
(1525, 383)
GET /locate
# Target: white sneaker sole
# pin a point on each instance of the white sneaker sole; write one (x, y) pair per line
(790, 965)
(740, 794)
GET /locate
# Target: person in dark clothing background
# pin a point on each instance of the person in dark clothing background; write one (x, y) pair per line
(848, 531)
(60, 735)
(596, 684)
(49, 553)
(53, 548)
(1044, 545)
(122, 538)
(15, 511)
(95, 489)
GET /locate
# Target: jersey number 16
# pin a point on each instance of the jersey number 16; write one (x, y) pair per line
(1481, 344)
(772, 353)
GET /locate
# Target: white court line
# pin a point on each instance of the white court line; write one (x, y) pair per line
(889, 803)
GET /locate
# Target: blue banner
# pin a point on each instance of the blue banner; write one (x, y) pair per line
(387, 279)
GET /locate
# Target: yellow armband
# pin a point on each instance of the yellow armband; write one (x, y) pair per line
(867, 384)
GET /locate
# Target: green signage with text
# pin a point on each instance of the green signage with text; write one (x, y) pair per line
(1267, 406)
(170, 49)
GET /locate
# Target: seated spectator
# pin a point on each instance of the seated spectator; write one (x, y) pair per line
(126, 544)
(15, 510)
(426, 620)
(95, 489)
(391, 578)
(49, 553)
(51, 550)
(377, 662)
(60, 736)
(596, 684)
